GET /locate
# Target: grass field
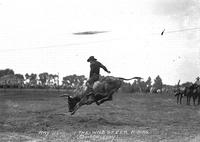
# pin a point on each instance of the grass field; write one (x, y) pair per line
(32, 115)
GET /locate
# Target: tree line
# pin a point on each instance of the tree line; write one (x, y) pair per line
(147, 86)
(8, 79)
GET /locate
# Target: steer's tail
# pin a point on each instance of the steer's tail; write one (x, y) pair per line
(130, 78)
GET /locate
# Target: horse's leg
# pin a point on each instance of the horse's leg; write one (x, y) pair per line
(177, 99)
(85, 100)
(194, 98)
(198, 99)
(181, 96)
(190, 96)
(188, 99)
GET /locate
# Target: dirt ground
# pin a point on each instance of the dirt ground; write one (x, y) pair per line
(40, 116)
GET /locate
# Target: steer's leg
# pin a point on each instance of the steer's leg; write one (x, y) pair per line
(87, 99)
(77, 106)
(98, 97)
(108, 98)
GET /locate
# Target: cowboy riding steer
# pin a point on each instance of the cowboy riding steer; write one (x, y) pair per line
(102, 91)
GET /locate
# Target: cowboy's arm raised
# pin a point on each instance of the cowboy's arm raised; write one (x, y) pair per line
(103, 67)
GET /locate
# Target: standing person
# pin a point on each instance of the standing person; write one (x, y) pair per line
(94, 71)
(197, 82)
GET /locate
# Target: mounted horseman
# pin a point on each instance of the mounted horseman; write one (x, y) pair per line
(192, 90)
(197, 82)
(196, 90)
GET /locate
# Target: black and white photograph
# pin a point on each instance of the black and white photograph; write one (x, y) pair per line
(99, 70)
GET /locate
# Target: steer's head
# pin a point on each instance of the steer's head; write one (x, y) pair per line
(72, 102)
(85, 100)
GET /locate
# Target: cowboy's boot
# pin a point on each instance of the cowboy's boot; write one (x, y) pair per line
(89, 90)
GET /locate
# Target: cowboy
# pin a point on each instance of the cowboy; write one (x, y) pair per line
(94, 71)
(197, 82)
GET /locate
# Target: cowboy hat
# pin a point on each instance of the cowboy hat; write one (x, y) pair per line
(91, 58)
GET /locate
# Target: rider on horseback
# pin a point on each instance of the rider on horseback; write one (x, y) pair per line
(94, 73)
(197, 82)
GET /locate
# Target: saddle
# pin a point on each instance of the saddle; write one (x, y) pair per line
(93, 89)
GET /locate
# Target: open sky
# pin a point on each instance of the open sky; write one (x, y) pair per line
(37, 36)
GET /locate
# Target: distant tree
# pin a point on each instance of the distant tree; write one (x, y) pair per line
(135, 87)
(6, 72)
(127, 88)
(20, 76)
(31, 79)
(139, 86)
(186, 84)
(43, 77)
(148, 84)
(142, 86)
(27, 80)
(50, 80)
(20, 79)
(158, 83)
(55, 78)
(73, 81)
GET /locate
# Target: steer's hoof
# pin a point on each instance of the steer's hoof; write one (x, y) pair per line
(73, 112)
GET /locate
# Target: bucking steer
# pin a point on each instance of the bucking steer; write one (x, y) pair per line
(103, 91)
